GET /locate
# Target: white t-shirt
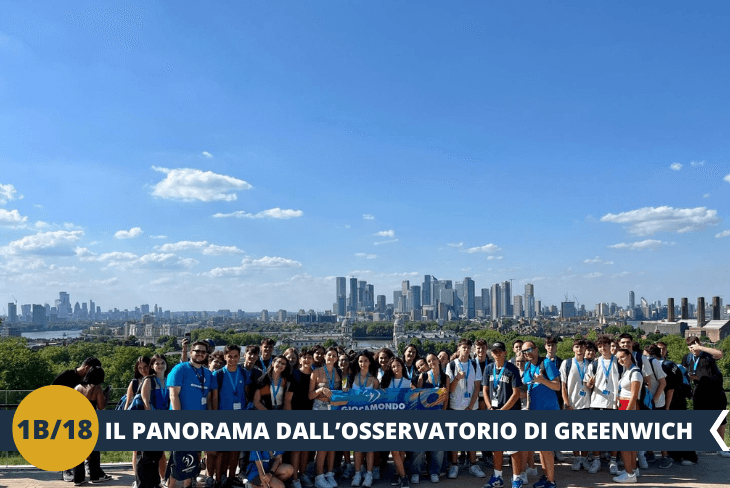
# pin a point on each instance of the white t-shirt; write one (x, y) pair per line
(659, 373)
(626, 379)
(461, 396)
(604, 383)
(578, 394)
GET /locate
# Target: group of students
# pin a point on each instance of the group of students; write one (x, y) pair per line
(610, 374)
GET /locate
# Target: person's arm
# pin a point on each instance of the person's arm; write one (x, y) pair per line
(566, 397)
(287, 400)
(130, 395)
(184, 353)
(213, 399)
(448, 388)
(668, 395)
(660, 390)
(265, 478)
(553, 384)
(275, 463)
(475, 394)
(635, 390)
(100, 398)
(486, 395)
(175, 398)
(257, 401)
(145, 393)
(512, 400)
(715, 353)
(313, 391)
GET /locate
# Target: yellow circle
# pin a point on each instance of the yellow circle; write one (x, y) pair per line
(60, 410)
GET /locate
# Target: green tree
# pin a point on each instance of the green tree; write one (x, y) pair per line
(329, 343)
(22, 369)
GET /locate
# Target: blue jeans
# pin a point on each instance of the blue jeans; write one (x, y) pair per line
(434, 465)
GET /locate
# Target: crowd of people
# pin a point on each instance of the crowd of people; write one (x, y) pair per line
(612, 373)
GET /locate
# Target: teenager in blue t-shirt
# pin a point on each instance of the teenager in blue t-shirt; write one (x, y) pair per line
(231, 396)
(541, 395)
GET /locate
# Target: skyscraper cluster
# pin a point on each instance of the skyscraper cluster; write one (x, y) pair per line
(435, 299)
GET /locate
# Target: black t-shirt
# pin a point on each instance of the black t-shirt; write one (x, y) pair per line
(251, 381)
(299, 388)
(506, 384)
(68, 378)
(427, 383)
(705, 368)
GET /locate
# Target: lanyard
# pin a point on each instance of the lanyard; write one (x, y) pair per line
(275, 391)
(359, 378)
(695, 362)
(468, 370)
(607, 371)
(433, 381)
(330, 380)
(162, 388)
(399, 383)
(581, 371)
(498, 379)
(201, 378)
(234, 382)
(410, 371)
(266, 366)
(532, 369)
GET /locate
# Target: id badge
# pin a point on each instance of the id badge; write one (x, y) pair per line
(606, 392)
(467, 394)
(582, 393)
(236, 406)
(495, 403)
(204, 401)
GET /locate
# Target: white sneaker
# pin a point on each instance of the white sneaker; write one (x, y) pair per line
(368, 481)
(435, 478)
(330, 477)
(296, 484)
(453, 471)
(595, 466)
(321, 482)
(642, 460)
(687, 462)
(523, 477)
(577, 464)
(531, 471)
(356, 480)
(637, 472)
(612, 468)
(415, 479)
(625, 477)
(724, 453)
(475, 470)
(559, 456)
(585, 463)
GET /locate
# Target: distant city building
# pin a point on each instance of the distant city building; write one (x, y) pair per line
(567, 310)
(632, 300)
(12, 313)
(496, 301)
(353, 295)
(529, 300)
(469, 305)
(486, 302)
(381, 306)
(341, 295)
(506, 305)
(264, 316)
(39, 315)
(517, 306)
(281, 315)
(426, 290)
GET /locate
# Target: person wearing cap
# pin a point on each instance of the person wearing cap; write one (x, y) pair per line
(500, 385)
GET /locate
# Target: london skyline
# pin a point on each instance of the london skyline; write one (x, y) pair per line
(244, 156)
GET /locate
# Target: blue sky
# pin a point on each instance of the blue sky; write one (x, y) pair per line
(261, 150)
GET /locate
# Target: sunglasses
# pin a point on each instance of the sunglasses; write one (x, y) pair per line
(199, 351)
(529, 349)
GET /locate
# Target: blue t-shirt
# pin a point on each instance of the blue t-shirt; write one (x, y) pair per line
(231, 388)
(194, 383)
(541, 397)
(266, 457)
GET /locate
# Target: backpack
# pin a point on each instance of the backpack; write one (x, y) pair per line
(123, 401)
(646, 400)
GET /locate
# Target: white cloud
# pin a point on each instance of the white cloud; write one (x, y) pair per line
(7, 193)
(676, 166)
(272, 213)
(189, 185)
(158, 237)
(650, 244)
(249, 263)
(455, 244)
(129, 234)
(706, 195)
(650, 220)
(597, 260)
(385, 242)
(727, 178)
(41, 225)
(594, 275)
(56, 243)
(385, 233)
(368, 217)
(489, 248)
(206, 155)
(697, 163)
(490, 258)
(202, 246)
(11, 218)
(125, 260)
(725, 233)
(365, 255)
